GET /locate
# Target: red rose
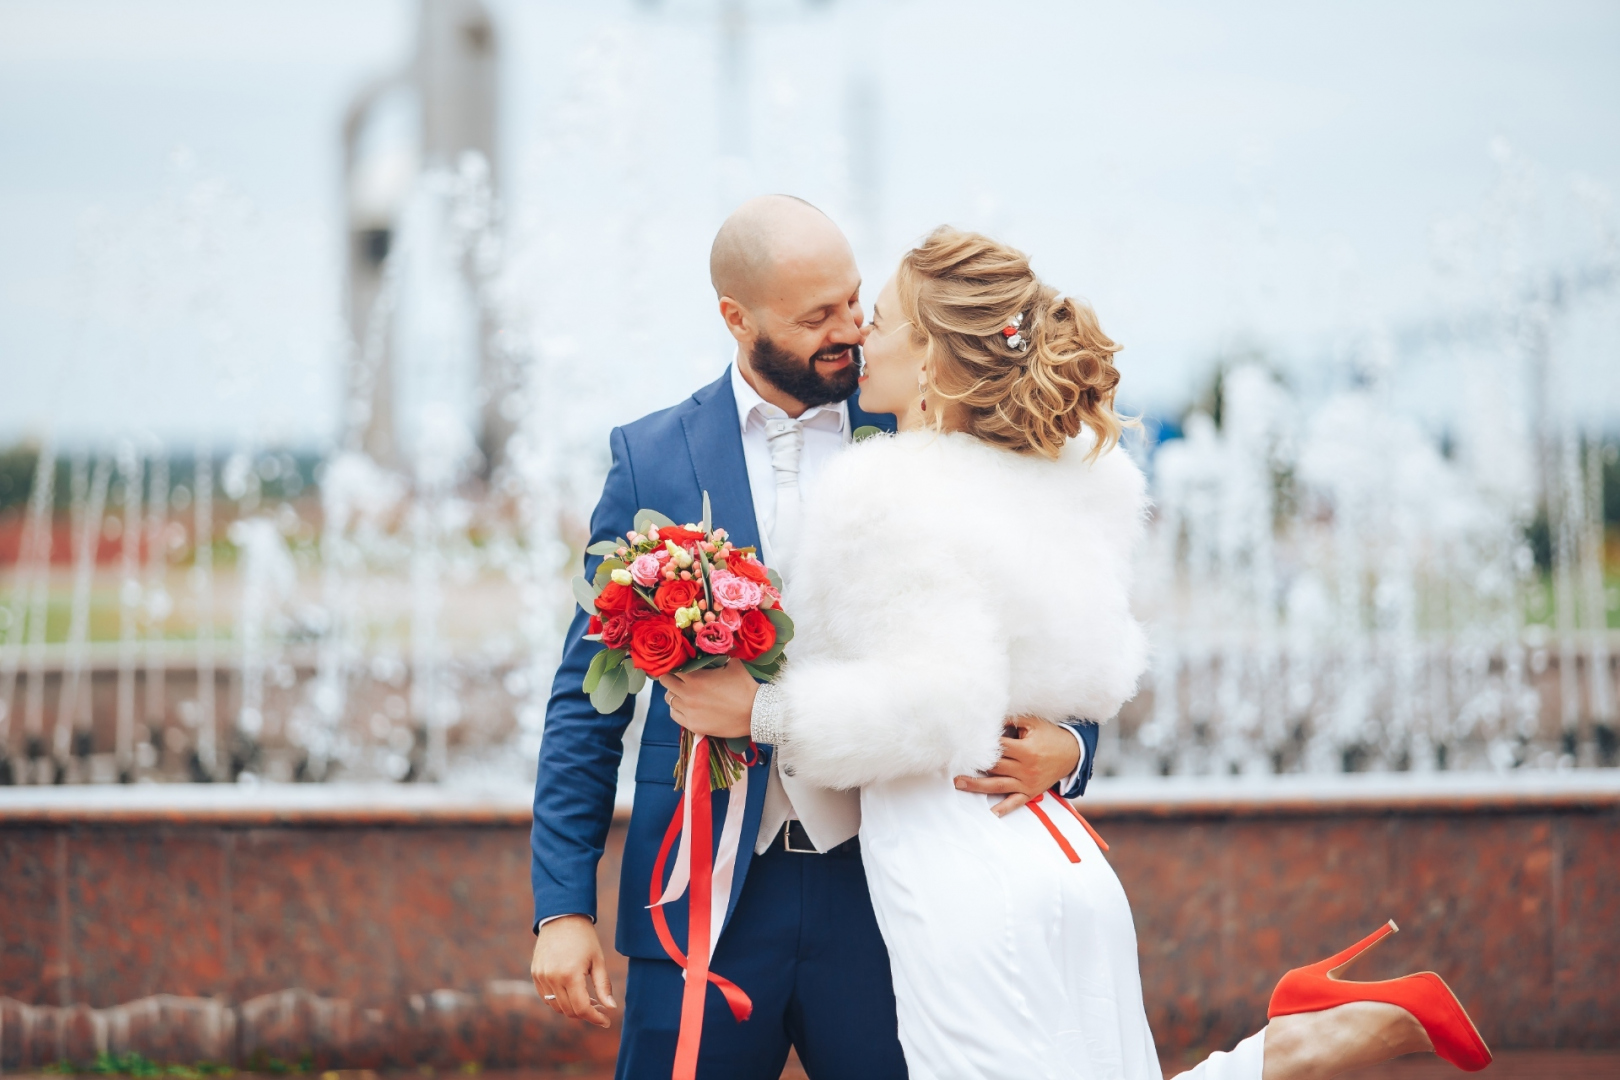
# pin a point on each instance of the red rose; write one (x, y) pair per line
(750, 568)
(595, 625)
(615, 599)
(674, 595)
(657, 647)
(756, 634)
(616, 631)
(683, 537)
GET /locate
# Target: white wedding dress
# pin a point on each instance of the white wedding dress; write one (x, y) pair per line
(940, 586)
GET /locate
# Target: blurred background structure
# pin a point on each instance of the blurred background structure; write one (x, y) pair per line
(314, 319)
(305, 419)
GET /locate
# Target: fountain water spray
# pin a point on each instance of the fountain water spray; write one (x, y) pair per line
(207, 750)
(29, 592)
(89, 504)
(129, 602)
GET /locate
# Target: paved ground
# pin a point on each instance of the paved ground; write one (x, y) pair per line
(1509, 1065)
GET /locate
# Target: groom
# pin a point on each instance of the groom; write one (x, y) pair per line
(800, 937)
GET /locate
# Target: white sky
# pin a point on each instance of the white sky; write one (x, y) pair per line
(1272, 173)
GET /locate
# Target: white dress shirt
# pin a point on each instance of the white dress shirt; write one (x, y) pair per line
(826, 432)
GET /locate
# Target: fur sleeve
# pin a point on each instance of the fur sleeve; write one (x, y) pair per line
(927, 700)
(902, 665)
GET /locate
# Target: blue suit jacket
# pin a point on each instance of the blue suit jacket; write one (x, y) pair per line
(662, 462)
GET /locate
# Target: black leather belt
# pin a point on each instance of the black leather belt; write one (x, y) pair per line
(794, 839)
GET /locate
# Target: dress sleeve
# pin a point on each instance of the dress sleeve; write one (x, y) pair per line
(909, 681)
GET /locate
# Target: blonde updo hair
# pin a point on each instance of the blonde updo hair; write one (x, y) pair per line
(958, 290)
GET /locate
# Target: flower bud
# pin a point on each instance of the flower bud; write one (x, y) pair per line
(622, 576)
(683, 618)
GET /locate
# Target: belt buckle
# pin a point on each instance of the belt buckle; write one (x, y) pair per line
(787, 840)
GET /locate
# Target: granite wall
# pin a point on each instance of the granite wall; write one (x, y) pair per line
(367, 937)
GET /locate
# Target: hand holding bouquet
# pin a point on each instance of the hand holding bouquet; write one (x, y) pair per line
(670, 597)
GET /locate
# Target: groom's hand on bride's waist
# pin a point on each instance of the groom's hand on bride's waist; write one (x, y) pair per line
(1042, 754)
(567, 963)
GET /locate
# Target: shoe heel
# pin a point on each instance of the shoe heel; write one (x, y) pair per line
(1341, 960)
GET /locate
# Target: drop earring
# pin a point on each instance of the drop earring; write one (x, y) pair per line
(922, 396)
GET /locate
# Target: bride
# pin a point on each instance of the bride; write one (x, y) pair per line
(974, 567)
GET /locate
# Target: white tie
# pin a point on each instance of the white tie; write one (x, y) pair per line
(785, 436)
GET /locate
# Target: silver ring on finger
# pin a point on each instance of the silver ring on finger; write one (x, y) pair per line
(549, 997)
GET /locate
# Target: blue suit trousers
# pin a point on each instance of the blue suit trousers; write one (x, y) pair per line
(818, 983)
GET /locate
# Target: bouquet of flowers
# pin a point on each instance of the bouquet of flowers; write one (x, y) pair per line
(679, 598)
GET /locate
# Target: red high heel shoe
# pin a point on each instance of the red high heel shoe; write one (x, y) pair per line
(1425, 995)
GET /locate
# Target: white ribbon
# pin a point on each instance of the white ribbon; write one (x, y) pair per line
(725, 860)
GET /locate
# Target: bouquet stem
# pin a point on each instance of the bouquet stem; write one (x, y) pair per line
(725, 765)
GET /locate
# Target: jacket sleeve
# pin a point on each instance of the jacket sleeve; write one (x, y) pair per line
(907, 681)
(580, 750)
(1086, 731)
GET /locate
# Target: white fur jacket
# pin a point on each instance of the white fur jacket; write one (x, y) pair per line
(942, 585)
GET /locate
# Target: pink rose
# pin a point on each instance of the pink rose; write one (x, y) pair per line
(714, 637)
(731, 617)
(734, 592)
(646, 571)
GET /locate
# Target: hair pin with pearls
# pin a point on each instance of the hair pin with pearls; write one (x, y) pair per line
(1010, 331)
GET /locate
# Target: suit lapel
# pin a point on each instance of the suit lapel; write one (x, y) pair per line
(714, 442)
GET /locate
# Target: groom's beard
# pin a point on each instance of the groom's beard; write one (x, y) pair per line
(798, 378)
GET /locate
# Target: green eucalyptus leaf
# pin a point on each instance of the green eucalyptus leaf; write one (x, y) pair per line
(738, 745)
(606, 569)
(763, 672)
(698, 663)
(604, 547)
(585, 595)
(637, 677)
(774, 578)
(611, 691)
(866, 431)
(783, 624)
(770, 655)
(708, 518)
(708, 572)
(646, 519)
(593, 673)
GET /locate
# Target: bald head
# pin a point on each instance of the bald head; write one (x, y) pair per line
(766, 236)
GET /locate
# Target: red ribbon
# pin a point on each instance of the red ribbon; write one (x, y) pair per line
(698, 975)
(1062, 841)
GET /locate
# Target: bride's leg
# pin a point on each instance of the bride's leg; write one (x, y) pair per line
(1318, 1045)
